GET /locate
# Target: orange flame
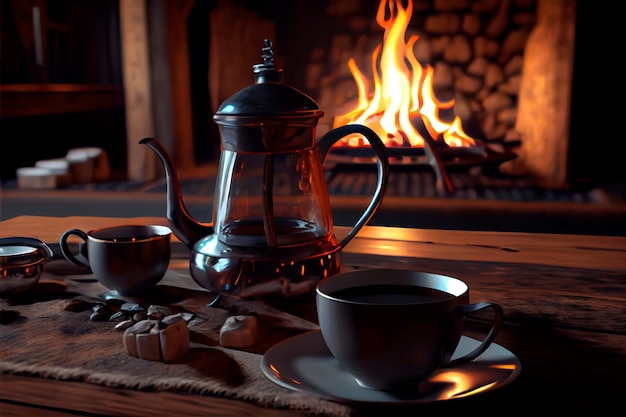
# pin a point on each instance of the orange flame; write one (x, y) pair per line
(403, 90)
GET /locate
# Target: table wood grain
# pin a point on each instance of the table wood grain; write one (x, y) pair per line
(580, 251)
(564, 298)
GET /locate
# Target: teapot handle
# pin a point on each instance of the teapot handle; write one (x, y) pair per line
(382, 163)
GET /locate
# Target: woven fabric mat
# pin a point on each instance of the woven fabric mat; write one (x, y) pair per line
(48, 341)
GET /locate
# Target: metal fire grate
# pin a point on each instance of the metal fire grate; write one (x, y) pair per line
(436, 155)
(471, 184)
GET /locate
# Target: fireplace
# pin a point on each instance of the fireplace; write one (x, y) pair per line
(399, 97)
(463, 61)
(486, 58)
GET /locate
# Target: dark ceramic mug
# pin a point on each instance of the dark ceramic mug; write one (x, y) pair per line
(128, 259)
(390, 328)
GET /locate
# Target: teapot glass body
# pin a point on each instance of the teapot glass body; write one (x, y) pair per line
(272, 219)
(271, 200)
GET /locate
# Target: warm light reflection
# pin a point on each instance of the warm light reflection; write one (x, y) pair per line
(461, 384)
(280, 376)
(504, 366)
(403, 90)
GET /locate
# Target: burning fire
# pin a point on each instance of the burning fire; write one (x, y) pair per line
(403, 90)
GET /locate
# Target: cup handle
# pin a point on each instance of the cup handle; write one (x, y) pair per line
(498, 318)
(81, 258)
(382, 163)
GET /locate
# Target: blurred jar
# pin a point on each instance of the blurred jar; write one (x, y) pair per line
(81, 167)
(60, 168)
(34, 178)
(98, 162)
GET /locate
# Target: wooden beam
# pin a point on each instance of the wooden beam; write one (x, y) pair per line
(232, 57)
(31, 19)
(543, 115)
(141, 164)
(177, 12)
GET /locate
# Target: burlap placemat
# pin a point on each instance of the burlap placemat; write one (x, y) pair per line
(48, 341)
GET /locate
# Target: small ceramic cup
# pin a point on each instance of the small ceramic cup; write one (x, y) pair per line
(127, 259)
(394, 328)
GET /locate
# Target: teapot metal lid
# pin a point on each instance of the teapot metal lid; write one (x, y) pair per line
(269, 101)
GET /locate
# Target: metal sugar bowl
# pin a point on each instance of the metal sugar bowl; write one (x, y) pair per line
(272, 228)
(22, 260)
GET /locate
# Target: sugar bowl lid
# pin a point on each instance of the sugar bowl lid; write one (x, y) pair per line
(22, 251)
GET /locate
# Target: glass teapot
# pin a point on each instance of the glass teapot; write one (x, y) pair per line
(272, 228)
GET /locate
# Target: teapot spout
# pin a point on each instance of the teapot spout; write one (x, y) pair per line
(187, 229)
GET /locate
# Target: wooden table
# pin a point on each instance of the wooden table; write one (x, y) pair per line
(564, 298)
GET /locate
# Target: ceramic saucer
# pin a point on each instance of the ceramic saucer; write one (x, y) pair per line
(304, 363)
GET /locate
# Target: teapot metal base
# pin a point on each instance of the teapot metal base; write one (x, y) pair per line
(219, 269)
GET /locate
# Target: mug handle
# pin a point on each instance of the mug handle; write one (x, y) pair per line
(382, 163)
(498, 318)
(79, 259)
